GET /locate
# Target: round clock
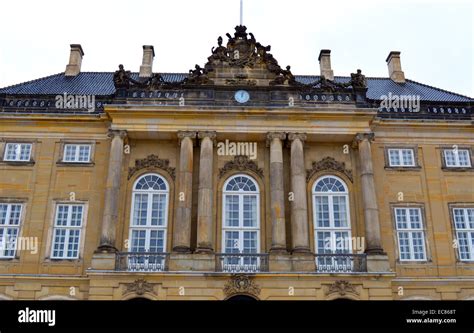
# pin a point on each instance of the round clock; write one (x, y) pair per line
(242, 96)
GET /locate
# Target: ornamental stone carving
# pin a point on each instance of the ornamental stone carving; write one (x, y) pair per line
(241, 284)
(150, 162)
(241, 163)
(342, 288)
(139, 287)
(328, 163)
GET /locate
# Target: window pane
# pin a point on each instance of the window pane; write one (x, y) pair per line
(76, 215)
(470, 217)
(340, 213)
(59, 240)
(415, 218)
(418, 244)
(157, 241)
(394, 157)
(449, 157)
(61, 215)
(138, 241)
(3, 214)
(158, 210)
(463, 245)
(250, 242)
(322, 211)
(250, 211)
(407, 155)
(231, 242)
(404, 245)
(464, 159)
(231, 210)
(324, 242)
(401, 218)
(140, 209)
(84, 153)
(73, 243)
(70, 153)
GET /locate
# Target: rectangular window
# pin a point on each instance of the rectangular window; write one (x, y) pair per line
(77, 153)
(457, 158)
(464, 225)
(67, 231)
(401, 157)
(10, 217)
(410, 234)
(18, 152)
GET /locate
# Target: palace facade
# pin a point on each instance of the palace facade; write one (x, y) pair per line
(237, 179)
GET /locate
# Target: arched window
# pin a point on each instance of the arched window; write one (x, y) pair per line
(149, 216)
(241, 220)
(332, 226)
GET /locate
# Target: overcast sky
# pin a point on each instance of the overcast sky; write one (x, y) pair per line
(435, 37)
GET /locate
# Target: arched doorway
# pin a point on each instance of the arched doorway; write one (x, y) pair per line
(241, 298)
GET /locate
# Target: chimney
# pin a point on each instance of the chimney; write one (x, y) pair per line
(147, 62)
(395, 67)
(325, 64)
(75, 60)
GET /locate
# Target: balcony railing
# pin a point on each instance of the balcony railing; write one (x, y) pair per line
(141, 261)
(241, 262)
(341, 263)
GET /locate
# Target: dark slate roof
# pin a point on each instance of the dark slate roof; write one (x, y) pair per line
(101, 84)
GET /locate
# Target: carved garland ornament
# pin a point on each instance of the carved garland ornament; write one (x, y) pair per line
(139, 287)
(241, 163)
(328, 163)
(241, 284)
(342, 287)
(152, 161)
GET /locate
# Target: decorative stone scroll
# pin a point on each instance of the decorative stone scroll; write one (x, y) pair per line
(139, 287)
(241, 163)
(328, 163)
(152, 161)
(241, 284)
(342, 288)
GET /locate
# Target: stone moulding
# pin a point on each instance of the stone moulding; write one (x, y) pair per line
(241, 284)
(328, 163)
(240, 163)
(152, 161)
(139, 287)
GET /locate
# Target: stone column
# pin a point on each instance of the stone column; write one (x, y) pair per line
(112, 192)
(182, 226)
(205, 226)
(299, 206)
(277, 194)
(369, 198)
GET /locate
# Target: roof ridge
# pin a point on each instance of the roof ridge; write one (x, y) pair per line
(439, 89)
(30, 81)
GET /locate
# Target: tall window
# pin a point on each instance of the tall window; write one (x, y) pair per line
(18, 152)
(241, 221)
(464, 224)
(149, 216)
(67, 231)
(332, 227)
(10, 217)
(411, 235)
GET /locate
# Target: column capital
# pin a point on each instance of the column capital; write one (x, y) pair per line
(363, 136)
(186, 134)
(275, 135)
(113, 133)
(208, 134)
(293, 136)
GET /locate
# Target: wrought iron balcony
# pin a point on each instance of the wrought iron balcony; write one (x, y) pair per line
(241, 262)
(341, 263)
(141, 261)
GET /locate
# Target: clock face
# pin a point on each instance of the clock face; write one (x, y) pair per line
(242, 96)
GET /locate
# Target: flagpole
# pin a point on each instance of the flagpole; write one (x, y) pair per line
(241, 11)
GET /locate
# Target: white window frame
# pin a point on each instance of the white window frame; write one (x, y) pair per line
(410, 232)
(456, 158)
(332, 229)
(240, 228)
(17, 156)
(400, 157)
(8, 225)
(68, 228)
(148, 227)
(77, 152)
(468, 230)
